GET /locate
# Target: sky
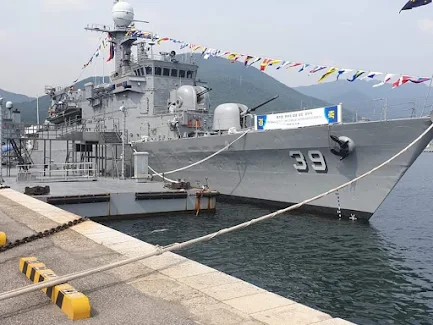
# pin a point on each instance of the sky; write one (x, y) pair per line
(43, 42)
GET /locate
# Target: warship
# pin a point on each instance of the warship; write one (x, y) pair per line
(154, 103)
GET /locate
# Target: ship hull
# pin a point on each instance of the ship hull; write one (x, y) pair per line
(261, 165)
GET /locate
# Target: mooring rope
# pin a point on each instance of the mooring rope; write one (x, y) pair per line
(198, 162)
(178, 246)
(161, 175)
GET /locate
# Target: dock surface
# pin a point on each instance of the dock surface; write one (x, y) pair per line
(100, 186)
(166, 289)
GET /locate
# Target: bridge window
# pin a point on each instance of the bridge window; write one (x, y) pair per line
(158, 71)
(189, 74)
(166, 72)
(149, 71)
(142, 71)
(173, 72)
(182, 73)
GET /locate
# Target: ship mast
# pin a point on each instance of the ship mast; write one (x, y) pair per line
(121, 43)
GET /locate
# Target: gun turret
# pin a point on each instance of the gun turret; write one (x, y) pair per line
(207, 90)
(262, 104)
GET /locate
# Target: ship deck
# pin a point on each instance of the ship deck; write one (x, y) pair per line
(101, 186)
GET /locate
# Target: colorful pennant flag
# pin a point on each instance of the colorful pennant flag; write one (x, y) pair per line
(111, 52)
(304, 66)
(264, 64)
(317, 69)
(237, 58)
(415, 3)
(356, 75)
(327, 74)
(283, 64)
(207, 54)
(247, 59)
(294, 65)
(274, 62)
(387, 78)
(401, 81)
(343, 71)
(162, 39)
(232, 56)
(220, 54)
(251, 60)
(420, 80)
(371, 75)
(257, 59)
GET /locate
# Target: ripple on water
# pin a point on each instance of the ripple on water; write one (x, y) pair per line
(377, 273)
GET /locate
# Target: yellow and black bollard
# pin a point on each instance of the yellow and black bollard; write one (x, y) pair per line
(72, 302)
(3, 239)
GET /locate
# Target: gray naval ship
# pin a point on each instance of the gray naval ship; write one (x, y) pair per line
(155, 101)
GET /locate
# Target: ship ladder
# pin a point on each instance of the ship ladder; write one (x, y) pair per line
(114, 160)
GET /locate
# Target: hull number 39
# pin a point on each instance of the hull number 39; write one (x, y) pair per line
(315, 159)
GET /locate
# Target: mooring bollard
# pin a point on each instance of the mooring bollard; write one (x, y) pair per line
(3, 239)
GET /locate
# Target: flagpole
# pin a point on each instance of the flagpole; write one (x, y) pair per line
(428, 95)
(94, 72)
(103, 67)
(37, 110)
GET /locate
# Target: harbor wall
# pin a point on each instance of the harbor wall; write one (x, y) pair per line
(209, 296)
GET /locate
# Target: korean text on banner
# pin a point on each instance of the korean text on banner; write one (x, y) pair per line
(299, 119)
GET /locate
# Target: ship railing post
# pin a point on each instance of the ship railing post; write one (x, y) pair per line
(123, 110)
(386, 108)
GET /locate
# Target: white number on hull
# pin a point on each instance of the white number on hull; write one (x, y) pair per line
(318, 161)
(301, 165)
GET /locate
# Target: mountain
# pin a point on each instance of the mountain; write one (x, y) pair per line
(369, 101)
(28, 109)
(230, 82)
(233, 82)
(15, 98)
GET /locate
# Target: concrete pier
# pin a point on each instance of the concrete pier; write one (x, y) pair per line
(167, 289)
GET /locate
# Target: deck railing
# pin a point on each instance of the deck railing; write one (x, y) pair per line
(67, 172)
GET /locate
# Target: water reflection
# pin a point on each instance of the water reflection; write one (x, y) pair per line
(343, 268)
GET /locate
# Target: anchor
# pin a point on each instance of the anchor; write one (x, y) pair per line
(346, 146)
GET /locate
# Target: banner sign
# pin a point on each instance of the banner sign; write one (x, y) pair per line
(299, 119)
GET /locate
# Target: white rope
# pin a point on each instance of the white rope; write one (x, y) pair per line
(160, 175)
(177, 246)
(201, 161)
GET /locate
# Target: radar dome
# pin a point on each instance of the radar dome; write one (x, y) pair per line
(9, 105)
(123, 14)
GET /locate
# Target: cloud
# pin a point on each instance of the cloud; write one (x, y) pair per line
(426, 25)
(65, 5)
